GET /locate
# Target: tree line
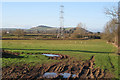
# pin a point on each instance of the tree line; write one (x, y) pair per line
(73, 33)
(110, 32)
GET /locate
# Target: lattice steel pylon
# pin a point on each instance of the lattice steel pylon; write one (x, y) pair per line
(61, 29)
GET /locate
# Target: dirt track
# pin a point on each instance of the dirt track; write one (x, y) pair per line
(82, 69)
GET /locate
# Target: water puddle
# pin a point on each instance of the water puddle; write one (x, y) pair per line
(51, 55)
(74, 75)
(65, 75)
(54, 75)
(50, 75)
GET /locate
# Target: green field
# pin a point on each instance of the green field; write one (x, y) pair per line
(105, 54)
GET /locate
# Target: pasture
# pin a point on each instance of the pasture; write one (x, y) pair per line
(105, 53)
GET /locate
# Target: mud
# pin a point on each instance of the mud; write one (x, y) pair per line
(75, 69)
(9, 54)
(67, 68)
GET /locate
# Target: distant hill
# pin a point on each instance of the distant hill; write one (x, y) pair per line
(41, 28)
(74, 28)
(46, 29)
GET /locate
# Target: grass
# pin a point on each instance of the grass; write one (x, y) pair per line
(104, 53)
(31, 59)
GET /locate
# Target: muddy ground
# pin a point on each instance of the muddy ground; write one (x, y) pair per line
(82, 69)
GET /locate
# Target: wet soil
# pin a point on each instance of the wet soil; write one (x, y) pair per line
(82, 70)
(9, 54)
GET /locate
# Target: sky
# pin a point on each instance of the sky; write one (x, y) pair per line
(26, 15)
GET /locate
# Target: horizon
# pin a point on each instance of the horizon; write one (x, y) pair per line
(31, 14)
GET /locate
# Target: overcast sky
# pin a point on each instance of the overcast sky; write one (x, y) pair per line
(29, 14)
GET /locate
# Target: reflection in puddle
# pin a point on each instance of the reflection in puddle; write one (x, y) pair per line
(74, 75)
(54, 75)
(51, 55)
(50, 75)
(65, 75)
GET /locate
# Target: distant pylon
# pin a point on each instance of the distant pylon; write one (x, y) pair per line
(61, 29)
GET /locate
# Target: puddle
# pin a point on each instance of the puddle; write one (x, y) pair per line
(54, 75)
(51, 55)
(65, 75)
(74, 75)
(50, 75)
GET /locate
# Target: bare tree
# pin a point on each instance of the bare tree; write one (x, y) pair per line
(110, 31)
(19, 32)
(111, 28)
(112, 12)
